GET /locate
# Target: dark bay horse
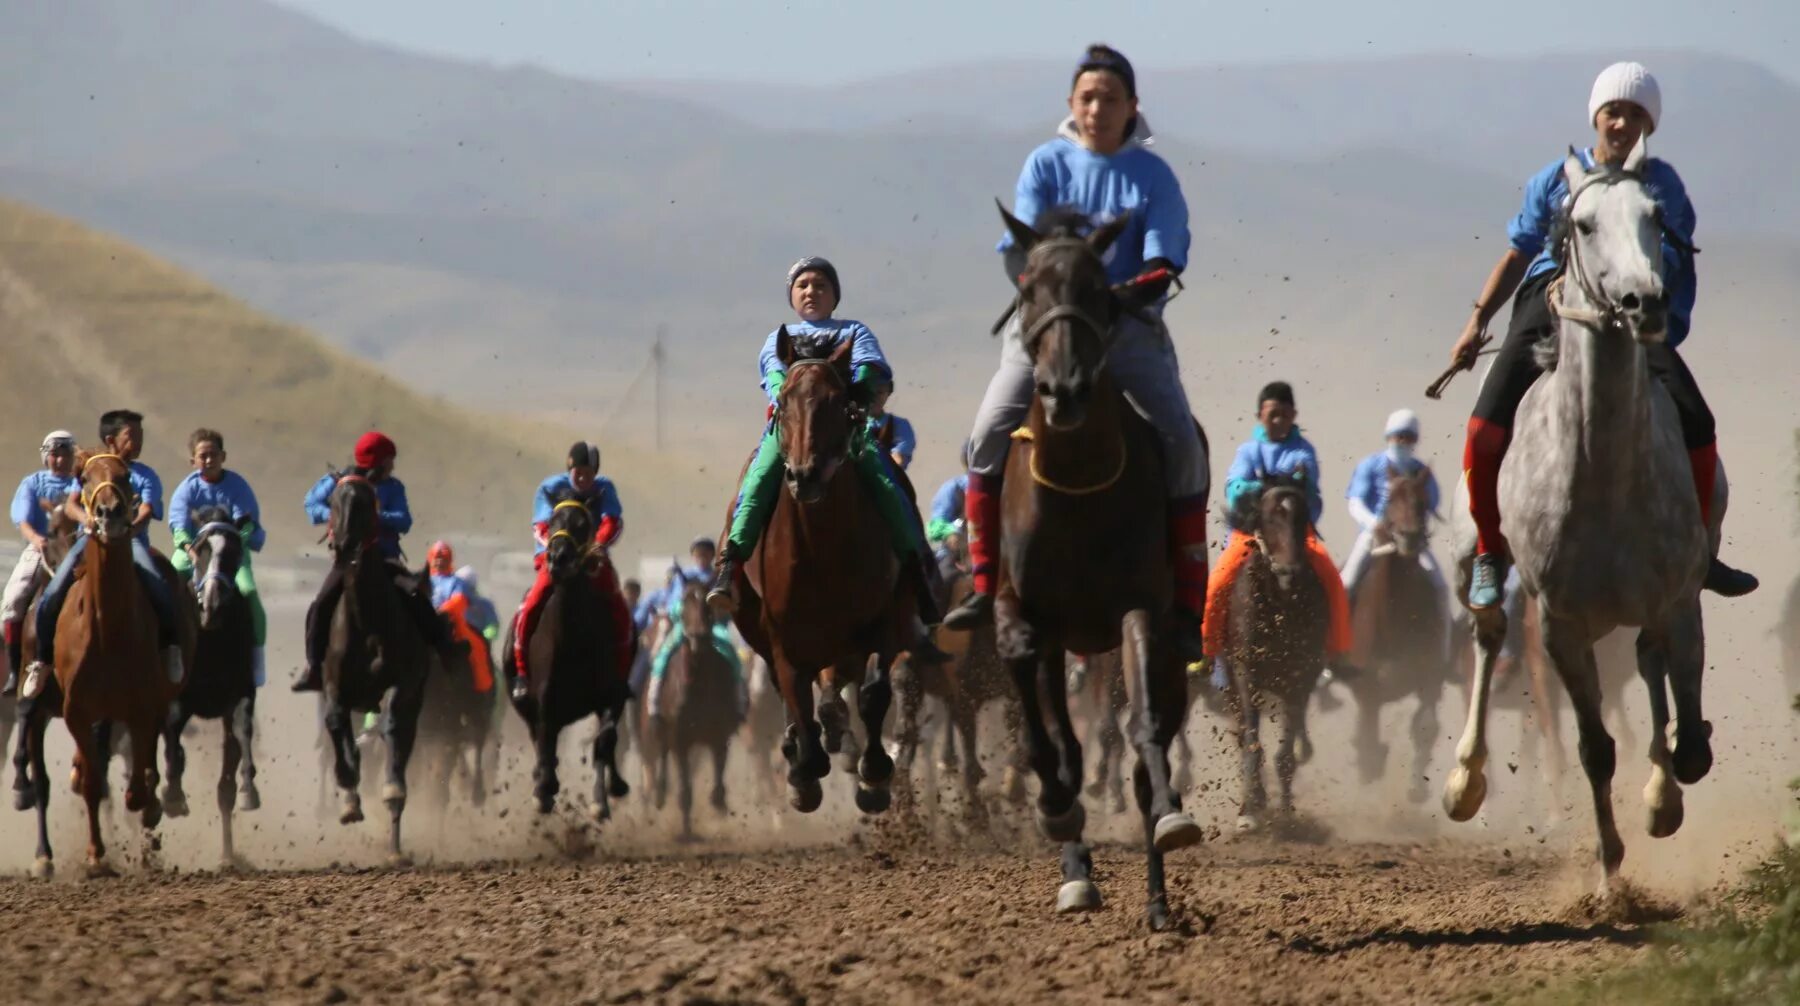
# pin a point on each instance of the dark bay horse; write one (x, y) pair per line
(823, 588)
(570, 663)
(108, 660)
(31, 782)
(457, 721)
(221, 683)
(1275, 645)
(1085, 556)
(375, 649)
(696, 707)
(1401, 628)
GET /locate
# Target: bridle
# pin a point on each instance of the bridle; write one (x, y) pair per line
(585, 550)
(838, 384)
(1610, 314)
(90, 494)
(213, 570)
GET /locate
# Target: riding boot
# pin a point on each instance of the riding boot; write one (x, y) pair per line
(15, 658)
(722, 595)
(1728, 582)
(312, 673)
(981, 507)
(1187, 536)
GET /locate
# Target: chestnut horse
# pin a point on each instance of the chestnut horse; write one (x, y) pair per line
(823, 589)
(1085, 557)
(696, 707)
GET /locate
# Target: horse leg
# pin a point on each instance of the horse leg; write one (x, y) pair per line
(684, 782)
(1546, 711)
(906, 731)
(228, 792)
(243, 726)
(24, 788)
(402, 730)
(346, 762)
(1018, 757)
(1424, 735)
(1662, 797)
(660, 776)
(36, 721)
(91, 779)
(1371, 752)
(175, 802)
(1573, 657)
(145, 733)
(802, 744)
(721, 748)
(1692, 755)
(1255, 798)
(1157, 688)
(545, 783)
(606, 751)
(1466, 786)
(967, 718)
(605, 740)
(875, 769)
(1293, 724)
(1078, 892)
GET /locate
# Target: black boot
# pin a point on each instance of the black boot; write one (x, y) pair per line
(1727, 582)
(930, 587)
(311, 679)
(721, 595)
(15, 659)
(975, 611)
(1189, 637)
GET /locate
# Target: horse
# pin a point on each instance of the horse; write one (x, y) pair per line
(108, 660)
(822, 592)
(1401, 630)
(696, 707)
(570, 663)
(1598, 505)
(222, 683)
(1085, 555)
(1275, 648)
(1099, 682)
(457, 719)
(31, 781)
(375, 652)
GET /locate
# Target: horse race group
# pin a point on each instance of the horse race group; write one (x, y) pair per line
(1080, 521)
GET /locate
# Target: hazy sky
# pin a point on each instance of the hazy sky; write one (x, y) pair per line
(817, 40)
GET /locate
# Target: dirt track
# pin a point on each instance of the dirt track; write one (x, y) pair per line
(1264, 923)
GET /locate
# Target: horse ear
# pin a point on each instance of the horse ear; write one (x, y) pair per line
(784, 346)
(1640, 151)
(1109, 232)
(840, 357)
(1022, 234)
(1573, 170)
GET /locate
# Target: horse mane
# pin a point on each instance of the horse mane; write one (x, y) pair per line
(1063, 222)
(812, 345)
(211, 515)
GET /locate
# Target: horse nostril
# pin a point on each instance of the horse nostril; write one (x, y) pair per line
(1630, 302)
(1044, 391)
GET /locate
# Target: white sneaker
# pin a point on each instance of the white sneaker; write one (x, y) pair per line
(35, 676)
(172, 664)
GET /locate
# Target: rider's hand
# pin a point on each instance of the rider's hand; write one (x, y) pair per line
(1462, 355)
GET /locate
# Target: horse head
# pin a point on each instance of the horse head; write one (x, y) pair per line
(696, 615)
(355, 518)
(813, 420)
(1611, 237)
(218, 551)
(1067, 308)
(1405, 519)
(570, 537)
(1279, 520)
(107, 496)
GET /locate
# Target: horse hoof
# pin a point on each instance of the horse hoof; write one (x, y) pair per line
(1693, 759)
(100, 869)
(1463, 793)
(1064, 827)
(248, 800)
(1177, 831)
(618, 789)
(399, 861)
(805, 797)
(873, 799)
(1666, 814)
(24, 799)
(545, 804)
(1247, 823)
(393, 792)
(1077, 896)
(43, 868)
(175, 803)
(1158, 916)
(599, 813)
(351, 810)
(153, 813)
(718, 802)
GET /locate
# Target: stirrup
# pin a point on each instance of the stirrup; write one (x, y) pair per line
(974, 611)
(36, 676)
(719, 596)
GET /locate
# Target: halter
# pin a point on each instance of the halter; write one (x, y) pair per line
(837, 381)
(586, 550)
(1610, 314)
(90, 494)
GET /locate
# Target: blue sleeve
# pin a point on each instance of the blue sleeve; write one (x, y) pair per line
(1362, 484)
(179, 507)
(1242, 477)
(1309, 468)
(150, 490)
(24, 502)
(768, 362)
(396, 515)
(1530, 229)
(609, 501)
(247, 507)
(866, 351)
(1166, 221)
(1679, 277)
(905, 442)
(1035, 193)
(947, 505)
(541, 507)
(318, 500)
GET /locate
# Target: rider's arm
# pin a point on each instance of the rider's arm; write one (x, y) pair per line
(1679, 279)
(1309, 471)
(769, 365)
(396, 515)
(1431, 490)
(1361, 491)
(150, 497)
(1242, 476)
(318, 500)
(946, 510)
(1526, 234)
(543, 507)
(24, 503)
(905, 442)
(246, 509)
(1166, 236)
(612, 514)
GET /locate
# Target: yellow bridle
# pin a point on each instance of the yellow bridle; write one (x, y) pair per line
(564, 505)
(89, 494)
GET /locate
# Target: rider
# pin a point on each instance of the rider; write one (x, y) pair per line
(1277, 448)
(373, 461)
(122, 431)
(1624, 107)
(211, 485)
(814, 293)
(945, 528)
(1099, 163)
(454, 599)
(1368, 496)
(583, 483)
(884, 424)
(674, 637)
(481, 616)
(39, 493)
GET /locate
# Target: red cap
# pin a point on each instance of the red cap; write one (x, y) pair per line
(374, 447)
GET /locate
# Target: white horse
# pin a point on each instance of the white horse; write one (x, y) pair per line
(1597, 500)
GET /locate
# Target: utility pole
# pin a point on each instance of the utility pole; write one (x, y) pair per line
(656, 360)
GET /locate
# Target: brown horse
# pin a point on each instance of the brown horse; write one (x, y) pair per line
(457, 721)
(1401, 627)
(1085, 557)
(823, 588)
(1275, 645)
(696, 707)
(375, 649)
(108, 660)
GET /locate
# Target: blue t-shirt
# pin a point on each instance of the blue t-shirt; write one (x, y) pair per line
(1262, 457)
(905, 442)
(231, 492)
(1369, 482)
(395, 516)
(865, 352)
(602, 502)
(37, 489)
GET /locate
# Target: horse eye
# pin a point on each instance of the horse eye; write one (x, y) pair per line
(1585, 227)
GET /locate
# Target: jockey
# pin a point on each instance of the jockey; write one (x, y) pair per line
(1624, 106)
(122, 431)
(584, 483)
(211, 485)
(1277, 448)
(1100, 164)
(454, 600)
(944, 530)
(889, 430)
(672, 640)
(373, 460)
(814, 293)
(481, 616)
(1368, 496)
(39, 493)
(703, 553)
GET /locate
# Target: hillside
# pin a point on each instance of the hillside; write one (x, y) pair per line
(92, 323)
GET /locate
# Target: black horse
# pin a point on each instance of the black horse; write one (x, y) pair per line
(570, 660)
(222, 683)
(31, 782)
(375, 648)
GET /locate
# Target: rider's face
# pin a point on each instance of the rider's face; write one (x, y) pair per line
(582, 478)
(209, 460)
(1617, 129)
(879, 405)
(703, 557)
(1102, 108)
(812, 296)
(128, 443)
(61, 462)
(382, 470)
(1277, 419)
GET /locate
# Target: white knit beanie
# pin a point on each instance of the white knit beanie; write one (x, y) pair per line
(1402, 421)
(1626, 82)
